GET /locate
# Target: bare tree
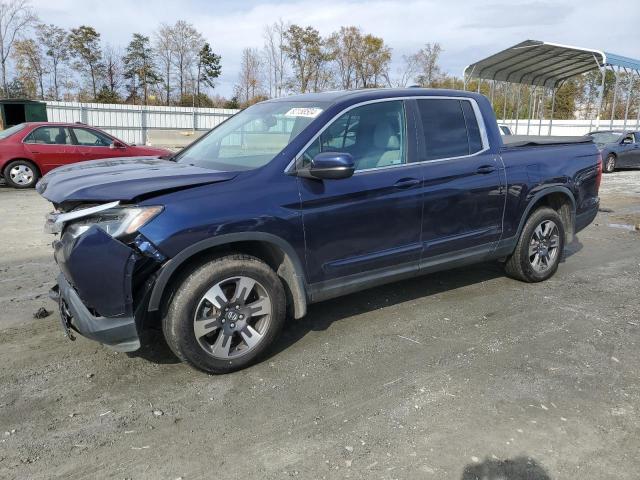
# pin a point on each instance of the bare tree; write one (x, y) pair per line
(30, 63)
(113, 68)
(250, 79)
(56, 47)
(408, 72)
(426, 60)
(186, 43)
(274, 36)
(163, 46)
(15, 17)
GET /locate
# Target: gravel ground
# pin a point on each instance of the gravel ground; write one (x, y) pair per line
(458, 375)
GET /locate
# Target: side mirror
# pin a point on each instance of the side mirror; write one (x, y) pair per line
(116, 144)
(331, 166)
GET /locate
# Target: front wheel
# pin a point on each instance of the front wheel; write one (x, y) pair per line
(539, 248)
(21, 174)
(609, 164)
(225, 314)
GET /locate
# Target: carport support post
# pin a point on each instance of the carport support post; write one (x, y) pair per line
(529, 113)
(492, 91)
(518, 107)
(504, 107)
(629, 90)
(553, 106)
(541, 110)
(600, 97)
(638, 113)
(615, 94)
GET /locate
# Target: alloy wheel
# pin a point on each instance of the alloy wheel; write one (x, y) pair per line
(232, 317)
(611, 164)
(544, 246)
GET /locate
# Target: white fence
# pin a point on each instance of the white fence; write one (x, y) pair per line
(178, 126)
(566, 127)
(141, 124)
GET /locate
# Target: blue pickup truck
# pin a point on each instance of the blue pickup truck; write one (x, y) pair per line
(301, 199)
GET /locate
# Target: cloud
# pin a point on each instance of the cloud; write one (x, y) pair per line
(468, 30)
(518, 15)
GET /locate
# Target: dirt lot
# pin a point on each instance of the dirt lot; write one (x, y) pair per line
(452, 376)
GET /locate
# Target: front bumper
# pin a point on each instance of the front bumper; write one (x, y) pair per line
(103, 287)
(118, 333)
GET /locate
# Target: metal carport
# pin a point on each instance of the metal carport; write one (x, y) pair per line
(547, 65)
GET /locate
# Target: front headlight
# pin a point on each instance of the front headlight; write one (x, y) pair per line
(117, 222)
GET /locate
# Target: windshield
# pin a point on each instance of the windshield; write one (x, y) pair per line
(605, 137)
(11, 130)
(251, 138)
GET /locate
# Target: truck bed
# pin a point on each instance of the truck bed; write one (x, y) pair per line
(514, 141)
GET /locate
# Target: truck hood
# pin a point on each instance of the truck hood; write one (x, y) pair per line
(123, 179)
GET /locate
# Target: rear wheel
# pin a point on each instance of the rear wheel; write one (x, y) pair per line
(609, 164)
(225, 314)
(539, 248)
(21, 174)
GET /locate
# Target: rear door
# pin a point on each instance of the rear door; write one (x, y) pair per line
(94, 145)
(368, 224)
(464, 195)
(51, 147)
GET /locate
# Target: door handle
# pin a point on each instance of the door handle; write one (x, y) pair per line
(484, 169)
(406, 183)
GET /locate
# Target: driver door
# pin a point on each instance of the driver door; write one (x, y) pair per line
(94, 145)
(367, 225)
(629, 155)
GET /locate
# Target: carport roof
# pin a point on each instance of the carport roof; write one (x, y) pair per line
(534, 62)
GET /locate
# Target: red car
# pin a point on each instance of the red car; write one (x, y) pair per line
(29, 150)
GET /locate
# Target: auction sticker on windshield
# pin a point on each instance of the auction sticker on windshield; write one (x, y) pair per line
(309, 112)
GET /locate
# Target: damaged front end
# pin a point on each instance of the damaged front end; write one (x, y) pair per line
(106, 271)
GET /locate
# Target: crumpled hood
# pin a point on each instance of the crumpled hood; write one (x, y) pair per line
(122, 179)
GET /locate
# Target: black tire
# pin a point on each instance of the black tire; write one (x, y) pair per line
(33, 179)
(519, 265)
(179, 319)
(609, 164)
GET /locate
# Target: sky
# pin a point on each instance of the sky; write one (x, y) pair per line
(468, 30)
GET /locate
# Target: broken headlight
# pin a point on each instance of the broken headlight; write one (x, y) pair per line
(117, 222)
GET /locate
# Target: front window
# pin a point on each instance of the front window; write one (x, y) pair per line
(91, 138)
(251, 138)
(605, 137)
(374, 135)
(11, 130)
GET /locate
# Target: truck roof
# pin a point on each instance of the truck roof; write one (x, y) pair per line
(365, 94)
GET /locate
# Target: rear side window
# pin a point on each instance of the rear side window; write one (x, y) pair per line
(450, 128)
(11, 130)
(49, 136)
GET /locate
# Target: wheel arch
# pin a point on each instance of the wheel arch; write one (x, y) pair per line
(273, 250)
(561, 200)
